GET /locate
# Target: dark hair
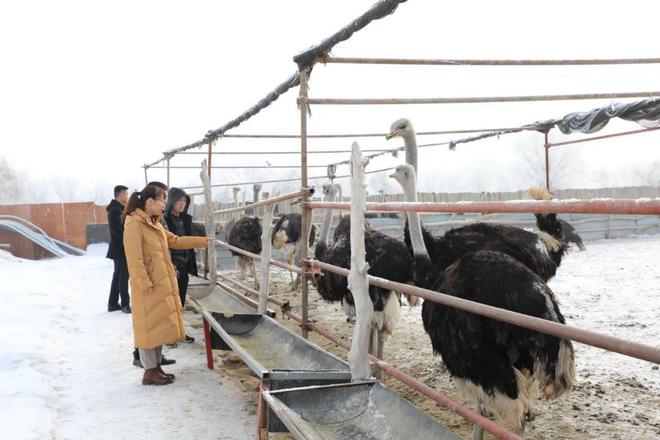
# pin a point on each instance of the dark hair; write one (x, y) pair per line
(160, 185)
(139, 198)
(119, 189)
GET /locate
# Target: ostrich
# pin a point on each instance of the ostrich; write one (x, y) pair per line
(550, 223)
(538, 251)
(404, 128)
(246, 234)
(234, 215)
(286, 234)
(256, 189)
(500, 366)
(387, 257)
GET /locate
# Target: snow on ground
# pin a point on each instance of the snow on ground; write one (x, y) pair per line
(66, 364)
(613, 288)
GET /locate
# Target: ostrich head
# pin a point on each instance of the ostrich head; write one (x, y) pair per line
(236, 190)
(329, 190)
(405, 176)
(400, 127)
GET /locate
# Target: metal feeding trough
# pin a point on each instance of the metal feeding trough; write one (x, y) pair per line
(219, 299)
(274, 352)
(359, 411)
(279, 357)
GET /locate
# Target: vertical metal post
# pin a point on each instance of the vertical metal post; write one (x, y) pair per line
(305, 212)
(207, 343)
(206, 253)
(262, 412)
(146, 179)
(168, 173)
(547, 162)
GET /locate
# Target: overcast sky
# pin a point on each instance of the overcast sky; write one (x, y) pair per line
(92, 90)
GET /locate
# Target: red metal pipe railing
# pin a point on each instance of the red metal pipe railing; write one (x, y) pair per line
(594, 206)
(606, 136)
(475, 62)
(611, 343)
(266, 202)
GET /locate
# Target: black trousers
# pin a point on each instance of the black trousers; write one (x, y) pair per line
(182, 279)
(119, 285)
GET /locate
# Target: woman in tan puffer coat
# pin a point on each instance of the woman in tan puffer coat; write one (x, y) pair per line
(157, 310)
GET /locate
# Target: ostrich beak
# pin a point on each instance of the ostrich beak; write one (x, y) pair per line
(392, 176)
(392, 134)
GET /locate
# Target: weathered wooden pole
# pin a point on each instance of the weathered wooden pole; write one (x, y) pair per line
(546, 147)
(266, 231)
(357, 278)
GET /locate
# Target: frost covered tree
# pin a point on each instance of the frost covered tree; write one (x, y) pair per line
(12, 184)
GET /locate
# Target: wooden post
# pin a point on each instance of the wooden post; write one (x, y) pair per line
(168, 172)
(546, 146)
(208, 159)
(305, 213)
(211, 257)
(357, 278)
(266, 231)
(146, 179)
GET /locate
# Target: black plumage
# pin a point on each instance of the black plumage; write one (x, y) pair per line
(489, 353)
(559, 229)
(386, 256)
(287, 231)
(501, 366)
(525, 246)
(246, 234)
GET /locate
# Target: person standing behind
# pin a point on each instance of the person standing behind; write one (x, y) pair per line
(157, 312)
(179, 222)
(119, 285)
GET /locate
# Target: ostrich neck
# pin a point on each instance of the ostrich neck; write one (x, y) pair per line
(235, 215)
(256, 196)
(327, 221)
(414, 222)
(411, 149)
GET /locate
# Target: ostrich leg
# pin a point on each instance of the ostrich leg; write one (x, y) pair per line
(520, 431)
(289, 260)
(253, 270)
(370, 350)
(477, 431)
(380, 341)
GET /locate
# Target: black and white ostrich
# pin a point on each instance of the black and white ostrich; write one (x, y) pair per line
(540, 252)
(553, 225)
(246, 234)
(500, 366)
(286, 235)
(387, 257)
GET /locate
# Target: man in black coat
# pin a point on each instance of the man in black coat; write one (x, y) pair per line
(119, 285)
(179, 222)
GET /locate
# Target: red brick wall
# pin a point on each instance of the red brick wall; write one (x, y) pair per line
(64, 221)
